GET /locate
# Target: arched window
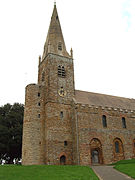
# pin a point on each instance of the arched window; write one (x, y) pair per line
(117, 150)
(104, 121)
(123, 122)
(63, 160)
(118, 146)
(61, 71)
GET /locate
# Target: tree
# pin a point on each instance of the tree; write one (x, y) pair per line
(11, 121)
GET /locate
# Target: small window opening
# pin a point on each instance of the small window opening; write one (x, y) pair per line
(60, 46)
(38, 94)
(104, 121)
(43, 76)
(117, 150)
(65, 143)
(134, 144)
(61, 114)
(123, 122)
(56, 17)
(38, 115)
(39, 104)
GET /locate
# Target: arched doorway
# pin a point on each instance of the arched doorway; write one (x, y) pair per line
(96, 151)
(63, 160)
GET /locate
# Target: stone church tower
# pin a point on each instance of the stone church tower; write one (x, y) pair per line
(66, 126)
(47, 131)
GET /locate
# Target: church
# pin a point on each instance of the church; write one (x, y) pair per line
(65, 126)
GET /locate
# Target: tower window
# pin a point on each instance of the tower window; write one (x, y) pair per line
(38, 115)
(60, 46)
(61, 114)
(39, 104)
(38, 94)
(61, 71)
(123, 122)
(65, 143)
(104, 121)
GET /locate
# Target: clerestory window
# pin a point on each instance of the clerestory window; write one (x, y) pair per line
(123, 122)
(104, 122)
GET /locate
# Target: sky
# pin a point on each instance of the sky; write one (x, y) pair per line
(101, 33)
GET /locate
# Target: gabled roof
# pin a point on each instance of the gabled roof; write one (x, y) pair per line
(104, 100)
(55, 37)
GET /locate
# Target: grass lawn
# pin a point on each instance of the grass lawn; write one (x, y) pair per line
(126, 166)
(44, 172)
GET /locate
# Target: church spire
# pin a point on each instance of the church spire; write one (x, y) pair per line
(55, 42)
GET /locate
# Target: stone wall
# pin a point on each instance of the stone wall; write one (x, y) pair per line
(32, 150)
(58, 133)
(90, 126)
(54, 129)
(53, 82)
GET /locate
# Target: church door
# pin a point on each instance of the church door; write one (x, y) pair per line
(96, 151)
(95, 156)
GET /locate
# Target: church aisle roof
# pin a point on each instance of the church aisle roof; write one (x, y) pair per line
(104, 100)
